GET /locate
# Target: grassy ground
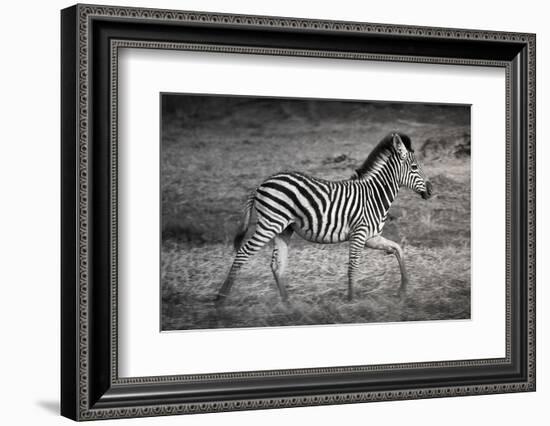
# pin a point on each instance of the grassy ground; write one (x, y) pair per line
(215, 152)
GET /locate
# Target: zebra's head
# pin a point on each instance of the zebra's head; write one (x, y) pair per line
(411, 174)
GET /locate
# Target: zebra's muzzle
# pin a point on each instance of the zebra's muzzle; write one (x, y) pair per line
(428, 192)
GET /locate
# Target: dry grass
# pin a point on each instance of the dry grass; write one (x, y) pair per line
(439, 288)
(209, 165)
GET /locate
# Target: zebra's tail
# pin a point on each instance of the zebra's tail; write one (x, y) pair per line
(245, 223)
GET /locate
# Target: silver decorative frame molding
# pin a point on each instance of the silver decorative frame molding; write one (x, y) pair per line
(86, 405)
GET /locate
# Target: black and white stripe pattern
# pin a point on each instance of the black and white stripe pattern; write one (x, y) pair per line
(324, 211)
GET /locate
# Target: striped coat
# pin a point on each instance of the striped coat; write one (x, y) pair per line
(323, 211)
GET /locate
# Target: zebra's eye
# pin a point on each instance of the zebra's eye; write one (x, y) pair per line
(414, 167)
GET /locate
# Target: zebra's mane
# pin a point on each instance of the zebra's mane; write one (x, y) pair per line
(381, 150)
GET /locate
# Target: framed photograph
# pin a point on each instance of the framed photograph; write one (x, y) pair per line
(263, 212)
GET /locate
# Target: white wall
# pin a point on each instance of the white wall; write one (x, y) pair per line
(29, 225)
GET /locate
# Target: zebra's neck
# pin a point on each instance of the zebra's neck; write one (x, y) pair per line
(381, 184)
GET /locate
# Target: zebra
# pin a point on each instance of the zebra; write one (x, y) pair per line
(323, 211)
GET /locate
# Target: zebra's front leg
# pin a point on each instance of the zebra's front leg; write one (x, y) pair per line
(356, 244)
(279, 261)
(380, 243)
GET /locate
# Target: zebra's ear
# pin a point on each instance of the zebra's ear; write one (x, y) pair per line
(399, 146)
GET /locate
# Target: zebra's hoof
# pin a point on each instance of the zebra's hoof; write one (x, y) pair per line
(220, 298)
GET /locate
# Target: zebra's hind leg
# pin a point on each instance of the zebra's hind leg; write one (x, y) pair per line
(279, 260)
(261, 237)
(380, 243)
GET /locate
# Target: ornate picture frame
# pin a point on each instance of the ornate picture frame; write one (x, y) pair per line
(91, 37)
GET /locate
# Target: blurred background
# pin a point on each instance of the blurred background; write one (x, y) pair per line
(216, 149)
